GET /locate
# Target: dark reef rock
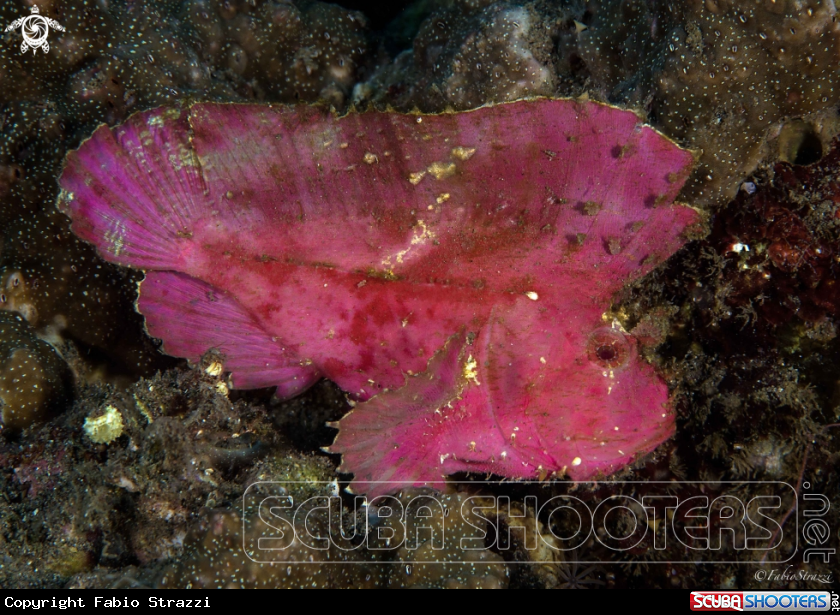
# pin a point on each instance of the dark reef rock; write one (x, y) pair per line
(734, 72)
(752, 332)
(35, 384)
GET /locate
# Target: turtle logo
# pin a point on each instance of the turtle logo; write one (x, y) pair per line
(35, 28)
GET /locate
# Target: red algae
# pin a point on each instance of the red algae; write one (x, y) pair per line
(450, 272)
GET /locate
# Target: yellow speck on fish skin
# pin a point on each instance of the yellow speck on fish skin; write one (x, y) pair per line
(423, 236)
(471, 370)
(442, 170)
(418, 238)
(463, 153)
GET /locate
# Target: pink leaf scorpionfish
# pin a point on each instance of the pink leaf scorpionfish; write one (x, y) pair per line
(449, 272)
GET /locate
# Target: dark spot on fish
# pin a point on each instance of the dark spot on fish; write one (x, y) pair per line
(576, 240)
(591, 208)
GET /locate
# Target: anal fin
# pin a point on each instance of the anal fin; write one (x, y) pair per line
(194, 317)
(391, 441)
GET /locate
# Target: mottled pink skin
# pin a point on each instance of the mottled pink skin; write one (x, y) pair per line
(361, 248)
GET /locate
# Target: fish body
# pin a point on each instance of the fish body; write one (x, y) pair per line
(450, 272)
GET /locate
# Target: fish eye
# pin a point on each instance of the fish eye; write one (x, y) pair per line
(608, 348)
(606, 353)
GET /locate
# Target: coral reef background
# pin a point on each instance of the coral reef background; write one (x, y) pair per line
(742, 321)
